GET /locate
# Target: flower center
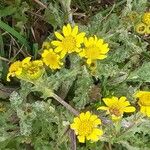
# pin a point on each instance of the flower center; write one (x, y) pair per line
(142, 28)
(92, 52)
(115, 111)
(85, 128)
(144, 100)
(33, 70)
(69, 43)
(52, 59)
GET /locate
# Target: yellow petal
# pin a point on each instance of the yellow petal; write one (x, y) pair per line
(69, 28)
(81, 139)
(62, 54)
(56, 43)
(148, 111)
(82, 116)
(126, 103)
(74, 126)
(77, 120)
(95, 38)
(94, 136)
(129, 109)
(59, 36)
(116, 118)
(122, 99)
(97, 132)
(109, 101)
(82, 53)
(75, 31)
(139, 94)
(93, 117)
(45, 53)
(143, 109)
(80, 37)
(96, 122)
(65, 31)
(100, 42)
(102, 57)
(26, 61)
(58, 49)
(91, 40)
(8, 77)
(87, 115)
(89, 61)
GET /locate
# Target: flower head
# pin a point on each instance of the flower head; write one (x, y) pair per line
(116, 107)
(85, 126)
(69, 42)
(146, 18)
(94, 49)
(26, 69)
(144, 102)
(51, 59)
(32, 70)
(14, 70)
(140, 28)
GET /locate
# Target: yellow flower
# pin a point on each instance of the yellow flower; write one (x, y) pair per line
(140, 28)
(116, 107)
(51, 59)
(144, 102)
(26, 62)
(148, 29)
(32, 70)
(14, 70)
(146, 18)
(85, 126)
(94, 49)
(70, 41)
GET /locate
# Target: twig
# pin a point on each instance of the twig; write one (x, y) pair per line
(5, 59)
(69, 107)
(40, 3)
(73, 140)
(109, 145)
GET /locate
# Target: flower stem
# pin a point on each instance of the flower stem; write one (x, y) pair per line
(65, 104)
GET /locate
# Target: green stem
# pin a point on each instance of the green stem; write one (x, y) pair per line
(65, 104)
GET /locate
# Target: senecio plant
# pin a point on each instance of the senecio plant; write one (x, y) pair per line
(110, 120)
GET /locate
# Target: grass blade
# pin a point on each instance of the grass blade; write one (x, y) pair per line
(14, 33)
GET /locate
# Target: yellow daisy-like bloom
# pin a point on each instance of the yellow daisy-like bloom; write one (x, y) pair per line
(51, 59)
(94, 49)
(32, 69)
(146, 18)
(116, 107)
(69, 42)
(141, 28)
(86, 127)
(144, 102)
(14, 70)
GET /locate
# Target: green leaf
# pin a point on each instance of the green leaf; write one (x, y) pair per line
(83, 85)
(141, 74)
(7, 11)
(12, 31)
